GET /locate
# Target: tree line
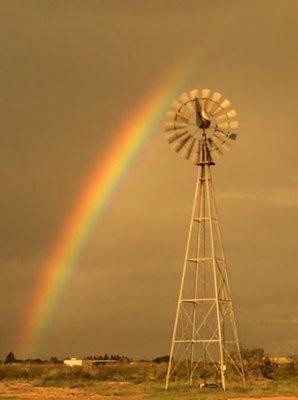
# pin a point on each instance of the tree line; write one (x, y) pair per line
(11, 359)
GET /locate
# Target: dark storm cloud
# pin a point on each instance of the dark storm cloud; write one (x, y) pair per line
(69, 72)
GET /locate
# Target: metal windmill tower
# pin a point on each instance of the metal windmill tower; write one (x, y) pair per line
(200, 127)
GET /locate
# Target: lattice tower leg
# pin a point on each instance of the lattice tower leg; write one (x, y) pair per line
(205, 338)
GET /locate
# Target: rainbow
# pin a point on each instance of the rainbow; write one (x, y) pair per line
(104, 179)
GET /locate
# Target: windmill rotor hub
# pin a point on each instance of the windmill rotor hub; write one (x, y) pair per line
(200, 131)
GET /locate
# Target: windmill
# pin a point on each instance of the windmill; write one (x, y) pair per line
(200, 127)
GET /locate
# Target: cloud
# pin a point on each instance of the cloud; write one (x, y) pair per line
(282, 197)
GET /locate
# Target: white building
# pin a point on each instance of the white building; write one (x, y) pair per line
(73, 362)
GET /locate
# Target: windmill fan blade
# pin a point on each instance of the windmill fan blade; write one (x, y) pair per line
(228, 125)
(232, 113)
(220, 135)
(214, 151)
(216, 97)
(234, 125)
(226, 146)
(219, 138)
(187, 110)
(194, 93)
(184, 98)
(217, 111)
(209, 105)
(211, 145)
(170, 126)
(179, 144)
(173, 136)
(187, 101)
(215, 102)
(224, 125)
(205, 93)
(217, 141)
(221, 143)
(204, 98)
(222, 107)
(173, 116)
(225, 104)
(221, 118)
(181, 109)
(226, 116)
(176, 105)
(188, 148)
(190, 106)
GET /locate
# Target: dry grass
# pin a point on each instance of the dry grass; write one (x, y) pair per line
(121, 381)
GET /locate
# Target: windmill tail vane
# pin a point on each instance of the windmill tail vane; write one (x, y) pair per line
(205, 343)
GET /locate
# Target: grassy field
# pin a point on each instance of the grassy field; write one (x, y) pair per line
(125, 382)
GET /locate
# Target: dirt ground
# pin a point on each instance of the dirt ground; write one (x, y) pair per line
(22, 390)
(266, 398)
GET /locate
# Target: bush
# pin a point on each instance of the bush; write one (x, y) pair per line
(163, 359)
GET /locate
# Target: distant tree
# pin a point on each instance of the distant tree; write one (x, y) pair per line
(267, 368)
(257, 363)
(161, 359)
(10, 358)
(286, 371)
(109, 357)
(34, 361)
(255, 354)
(54, 360)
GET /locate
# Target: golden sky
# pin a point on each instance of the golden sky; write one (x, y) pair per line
(69, 72)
